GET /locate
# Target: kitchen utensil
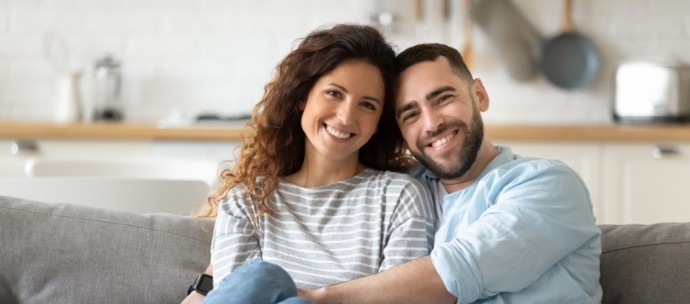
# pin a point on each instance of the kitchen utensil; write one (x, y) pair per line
(107, 85)
(651, 90)
(467, 50)
(57, 52)
(515, 39)
(570, 60)
(68, 95)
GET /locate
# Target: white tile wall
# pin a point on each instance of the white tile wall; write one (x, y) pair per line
(216, 55)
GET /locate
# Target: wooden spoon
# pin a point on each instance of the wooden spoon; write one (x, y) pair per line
(467, 50)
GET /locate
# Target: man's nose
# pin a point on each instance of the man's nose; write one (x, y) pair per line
(431, 121)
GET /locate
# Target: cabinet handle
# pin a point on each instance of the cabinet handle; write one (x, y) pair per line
(24, 146)
(662, 151)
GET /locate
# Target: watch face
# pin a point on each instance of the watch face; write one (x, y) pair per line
(205, 283)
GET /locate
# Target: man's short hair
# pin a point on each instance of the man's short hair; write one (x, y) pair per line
(430, 52)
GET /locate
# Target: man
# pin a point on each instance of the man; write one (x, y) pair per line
(512, 230)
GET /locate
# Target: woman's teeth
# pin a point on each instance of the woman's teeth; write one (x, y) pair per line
(337, 134)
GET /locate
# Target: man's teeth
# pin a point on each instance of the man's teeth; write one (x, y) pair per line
(338, 134)
(442, 140)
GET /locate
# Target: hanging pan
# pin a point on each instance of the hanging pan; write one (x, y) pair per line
(570, 60)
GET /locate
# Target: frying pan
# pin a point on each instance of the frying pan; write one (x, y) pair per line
(570, 60)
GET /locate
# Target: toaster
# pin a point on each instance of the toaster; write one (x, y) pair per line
(649, 90)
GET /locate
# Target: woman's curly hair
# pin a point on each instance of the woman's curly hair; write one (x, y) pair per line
(273, 142)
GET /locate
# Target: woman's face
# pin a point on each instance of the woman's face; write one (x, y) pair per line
(342, 110)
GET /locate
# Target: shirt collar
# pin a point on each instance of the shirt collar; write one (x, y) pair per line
(505, 155)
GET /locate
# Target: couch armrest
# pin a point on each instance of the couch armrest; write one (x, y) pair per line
(59, 253)
(645, 263)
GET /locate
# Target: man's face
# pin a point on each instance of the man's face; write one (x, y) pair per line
(439, 116)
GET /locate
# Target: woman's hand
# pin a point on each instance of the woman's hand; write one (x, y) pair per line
(193, 298)
(314, 295)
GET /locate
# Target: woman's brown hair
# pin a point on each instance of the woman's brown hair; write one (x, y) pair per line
(273, 142)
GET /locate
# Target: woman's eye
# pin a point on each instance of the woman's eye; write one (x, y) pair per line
(333, 93)
(369, 105)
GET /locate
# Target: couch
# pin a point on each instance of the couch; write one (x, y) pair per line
(59, 253)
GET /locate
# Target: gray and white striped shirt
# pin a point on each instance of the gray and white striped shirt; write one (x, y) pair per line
(328, 234)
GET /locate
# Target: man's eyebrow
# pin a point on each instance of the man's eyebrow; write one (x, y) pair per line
(405, 107)
(438, 91)
(433, 94)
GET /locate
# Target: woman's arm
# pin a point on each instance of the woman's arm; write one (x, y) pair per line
(194, 297)
(234, 240)
(411, 232)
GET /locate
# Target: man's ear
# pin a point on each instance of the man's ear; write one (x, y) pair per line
(480, 95)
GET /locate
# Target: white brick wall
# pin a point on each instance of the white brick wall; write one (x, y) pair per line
(216, 55)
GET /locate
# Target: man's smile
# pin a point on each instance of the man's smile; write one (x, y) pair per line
(443, 140)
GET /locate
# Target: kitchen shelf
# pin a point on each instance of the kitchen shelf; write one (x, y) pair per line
(233, 131)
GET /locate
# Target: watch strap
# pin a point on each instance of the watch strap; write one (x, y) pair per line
(203, 284)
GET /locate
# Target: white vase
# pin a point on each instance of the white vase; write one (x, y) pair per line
(68, 100)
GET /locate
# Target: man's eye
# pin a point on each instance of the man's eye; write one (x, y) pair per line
(445, 97)
(408, 116)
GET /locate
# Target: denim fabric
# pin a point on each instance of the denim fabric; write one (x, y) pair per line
(256, 282)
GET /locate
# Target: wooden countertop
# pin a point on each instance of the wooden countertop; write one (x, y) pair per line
(233, 132)
(120, 131)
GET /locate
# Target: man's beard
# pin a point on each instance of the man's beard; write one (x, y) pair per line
(468, 153)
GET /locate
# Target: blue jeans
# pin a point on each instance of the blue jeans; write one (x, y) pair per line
(256, 282)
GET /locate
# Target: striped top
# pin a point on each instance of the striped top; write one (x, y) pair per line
(328, 234)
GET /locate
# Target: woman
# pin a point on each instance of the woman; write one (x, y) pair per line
(312, 191)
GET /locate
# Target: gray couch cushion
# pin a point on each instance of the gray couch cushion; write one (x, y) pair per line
(646, 263)
(58, 253)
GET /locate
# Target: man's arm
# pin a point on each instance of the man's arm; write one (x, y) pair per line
(413, 282)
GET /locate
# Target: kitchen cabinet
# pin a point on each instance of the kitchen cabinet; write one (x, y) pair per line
(584, 158)
(21, 158)
(212, 150)
(646, 182)
(11, 163)
(639, 182)
(93, 148)
(630, 177)
(216, 151)
(36, 147)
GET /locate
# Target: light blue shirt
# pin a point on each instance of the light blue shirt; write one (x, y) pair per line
(523, 232)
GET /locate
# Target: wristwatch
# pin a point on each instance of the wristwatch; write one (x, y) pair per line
(202, 284)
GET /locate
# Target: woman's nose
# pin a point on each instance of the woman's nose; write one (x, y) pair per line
(346, 113)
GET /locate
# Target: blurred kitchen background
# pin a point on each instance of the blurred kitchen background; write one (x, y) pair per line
(163, 64)
(181, 58)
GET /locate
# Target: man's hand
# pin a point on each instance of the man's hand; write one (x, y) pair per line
(413, 282)
(193, 298)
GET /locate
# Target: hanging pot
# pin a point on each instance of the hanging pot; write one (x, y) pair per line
(570, 60)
